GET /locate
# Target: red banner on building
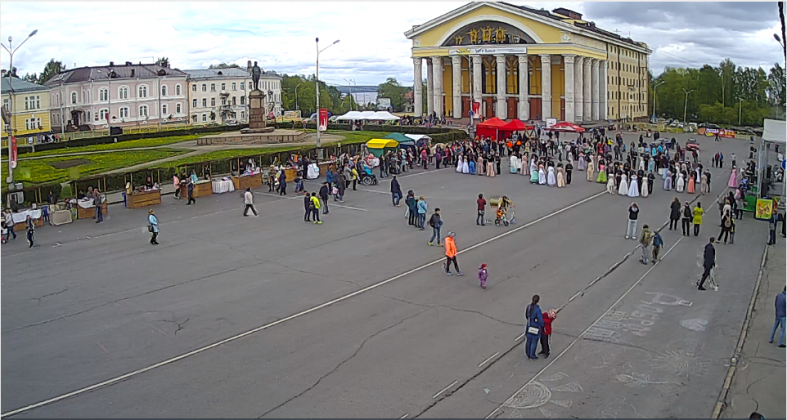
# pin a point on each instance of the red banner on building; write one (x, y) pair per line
(13, 152)
(476, 109)
(323, 119)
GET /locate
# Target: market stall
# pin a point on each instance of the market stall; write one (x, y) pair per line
(60, 216)
(378, 147)
(490, 128)
(202, 188)
(20, 219)
(770, 198)
(566, 127)
(224, 185)
(143, 198)
(248, 175)
(87, 210)
(420, 139)
(403, 140)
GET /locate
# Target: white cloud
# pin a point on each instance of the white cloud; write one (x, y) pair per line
(280, 36)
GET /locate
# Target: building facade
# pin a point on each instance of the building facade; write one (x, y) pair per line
(118, 95)
(519, 62)
(27, 105)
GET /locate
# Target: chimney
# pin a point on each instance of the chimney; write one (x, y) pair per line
(111, 64)
(128, 63)
(248, 65)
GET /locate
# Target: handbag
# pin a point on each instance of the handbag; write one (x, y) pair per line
(150, 228)
(533, 330)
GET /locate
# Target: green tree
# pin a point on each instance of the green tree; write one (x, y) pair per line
(394, 91)
(51, 69)
(224, 66)
(32, 78)
(776, 86)
(162, 61)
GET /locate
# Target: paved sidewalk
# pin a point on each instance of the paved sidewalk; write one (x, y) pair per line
(758, 384)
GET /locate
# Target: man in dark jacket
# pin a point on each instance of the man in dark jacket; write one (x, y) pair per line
(708, 261)
(191, 193)
(674, 215)
(307, 206)
(396, 191)
(324, 197)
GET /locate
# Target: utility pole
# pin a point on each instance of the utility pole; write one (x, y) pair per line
(740, 110)
(655, 118)
(685, 105)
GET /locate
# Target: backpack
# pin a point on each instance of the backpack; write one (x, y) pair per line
(727, 222)
(686, 212)
(433, 221)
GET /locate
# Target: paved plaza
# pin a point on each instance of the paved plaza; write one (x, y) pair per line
(236, 316)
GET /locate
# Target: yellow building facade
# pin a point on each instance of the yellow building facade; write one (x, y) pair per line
(519, 62)
(28, 106)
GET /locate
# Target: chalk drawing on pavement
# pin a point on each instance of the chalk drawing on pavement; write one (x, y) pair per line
(537, 395)
(638, 380)
(620, 408)
(534, 395)
(694, 324)
(570, 387)
(554, 377)
(548, 413)
(666, 300)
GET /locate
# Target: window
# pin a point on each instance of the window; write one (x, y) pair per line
(204, 87)
(224, 101)
(177, 109)
(123, 93)
(102, 115)
(193, 103)
(243, 100)
(242, 86)
(204, 103)
(27, 124)
(243, 115)
(164, 110)
(143, 92)
(177, 90)
(103, 94)
(143, 111)
(5, 104)
(204, 117)
(38, 123)
(233, 86)
(212, 87)
(26, 103)
(212, 101)
(124, 112)
(223, 86)
(194, 118)
(233, 101)
(193, 88)
(163, 90)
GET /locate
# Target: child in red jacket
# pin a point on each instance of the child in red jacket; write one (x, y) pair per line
(548, 316)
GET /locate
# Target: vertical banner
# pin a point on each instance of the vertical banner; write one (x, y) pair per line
(13, 152)
(476, 109)
(323, 118)
(764, 209)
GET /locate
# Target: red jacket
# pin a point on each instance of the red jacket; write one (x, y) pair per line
(547, 323)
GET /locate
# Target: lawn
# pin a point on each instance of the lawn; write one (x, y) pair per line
(151, 142)
(40, 171)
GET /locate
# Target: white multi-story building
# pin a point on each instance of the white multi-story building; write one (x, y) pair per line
(118, 95)
(222, 95)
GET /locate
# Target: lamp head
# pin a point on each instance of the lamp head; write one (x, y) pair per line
(10, 39)
(777, 38)
(316, 39)
(335, 42)
(35, 31)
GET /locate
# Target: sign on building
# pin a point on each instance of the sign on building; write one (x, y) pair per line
(383, 103)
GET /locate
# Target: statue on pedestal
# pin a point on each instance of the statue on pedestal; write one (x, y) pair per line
(256, 72)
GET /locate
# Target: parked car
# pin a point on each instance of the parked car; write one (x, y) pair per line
(232, 122)
(692, 144)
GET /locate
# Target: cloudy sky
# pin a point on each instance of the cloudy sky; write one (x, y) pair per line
(373, 47)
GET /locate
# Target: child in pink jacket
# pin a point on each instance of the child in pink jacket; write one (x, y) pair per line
(482, 275)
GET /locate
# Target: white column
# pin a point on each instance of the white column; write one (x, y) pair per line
(456, 85)
(418, 88)
(477, 81)
(568, 73)
(546, 86)
(437, 82)
(603, 95)
(579, 79)
(587, 94)
(595, 90)
(524, 89)
(429, 87)
(502, 109)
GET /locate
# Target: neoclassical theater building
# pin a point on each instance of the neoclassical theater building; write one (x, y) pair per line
(519, 62)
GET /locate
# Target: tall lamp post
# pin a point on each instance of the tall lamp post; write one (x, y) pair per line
(317, 85)
(351, 82)
(11, 50)
(686, 104)
(296, 96)
(655, 119)
(740, 110)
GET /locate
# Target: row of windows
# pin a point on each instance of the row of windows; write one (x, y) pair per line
(123, 93)
(624, 52)
(32, 102)
(123, 112)
(263, 84)
(624, 81)
(33, 124)
(617, 95)
(213, 101)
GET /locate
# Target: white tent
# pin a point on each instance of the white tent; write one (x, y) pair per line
(352, 115)
(384, 116)
(367, 115)
(775, 131)
(420, 138)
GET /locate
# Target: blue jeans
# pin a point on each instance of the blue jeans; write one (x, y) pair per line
(531, 345)
(776, 323)
(99, 215)
(435, 233)
(421, 220)
(395, 197)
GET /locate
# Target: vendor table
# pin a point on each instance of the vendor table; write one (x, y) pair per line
(21, 217)
(221, 186)
(140, 199)
(87, 210)
(60, 217)
(251, 181)
(201, 189)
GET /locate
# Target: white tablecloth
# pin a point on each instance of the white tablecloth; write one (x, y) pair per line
(22, 215)
(220, 187)
(86, 204)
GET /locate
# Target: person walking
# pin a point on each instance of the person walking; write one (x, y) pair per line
(726, 226)
(483, 274)
(436, 222)
(697, 220)
(9, 222)
(658, 242)
(341, 186)
(535, 322)
(421, 209)
(324, 196)
(307, 206)
(248, 200)
(631, 230)
(450, 255)
(396, 192)
(644, 242)
(176, 184)
(686, 220)
(31, 230)
(412, 209)
(772, 229)
(282, 183)
(354, 175)
(153, 227)
(708, 261)
(190, 188)
(479, 219)
(674, 215)
(780, 315)
(546, 332)
(315, 206)
(98, 201)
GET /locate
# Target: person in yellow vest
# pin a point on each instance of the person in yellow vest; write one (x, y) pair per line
(316, 209)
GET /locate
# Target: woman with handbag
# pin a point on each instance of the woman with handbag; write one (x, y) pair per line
(153, 227)
(535, 322)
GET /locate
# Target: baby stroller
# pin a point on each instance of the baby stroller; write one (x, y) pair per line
(367, 177)
(505, 212)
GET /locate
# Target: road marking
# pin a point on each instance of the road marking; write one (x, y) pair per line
(103, 348)
(508, 401)
(519, 337)
(404, 416)
(288, 318)
(444, 389)
(373, 191)
(488, 359)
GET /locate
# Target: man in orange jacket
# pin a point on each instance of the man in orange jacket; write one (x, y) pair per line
(450, 255)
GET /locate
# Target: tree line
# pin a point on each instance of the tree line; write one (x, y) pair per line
(727, 95)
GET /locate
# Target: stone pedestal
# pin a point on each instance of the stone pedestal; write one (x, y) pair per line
(257, 113)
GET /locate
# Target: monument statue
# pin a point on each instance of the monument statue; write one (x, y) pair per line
(256, 72)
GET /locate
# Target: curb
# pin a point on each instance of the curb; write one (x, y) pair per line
(721, 402)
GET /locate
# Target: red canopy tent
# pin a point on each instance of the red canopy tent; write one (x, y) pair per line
(566, 126)
(490, 127)
(516, 125)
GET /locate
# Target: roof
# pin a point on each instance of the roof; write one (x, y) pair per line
(228, 73)
(18, 85)
(399, 137)
(381, 143)
(120, 72)
(774, 131)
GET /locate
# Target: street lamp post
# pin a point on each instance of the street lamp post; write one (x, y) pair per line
(351, 82)
(296, 96)
(11, 50)
(655, 119)
(317, 85)
(685, 105)
(740, 110)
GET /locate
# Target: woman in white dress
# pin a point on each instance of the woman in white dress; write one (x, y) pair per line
(623, 188)
(644, 188)
(633, 187)
(680, 183)
(551, 180)
(525, 165)
(465, 167)
(533, 167)
(542, 176)
(459, 164)
(611, 184)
